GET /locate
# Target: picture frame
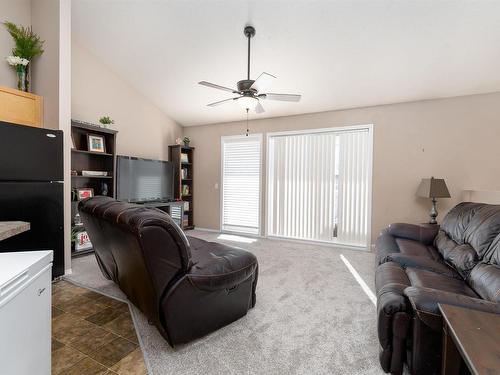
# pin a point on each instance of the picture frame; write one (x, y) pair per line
(96, 143)
(84, 193)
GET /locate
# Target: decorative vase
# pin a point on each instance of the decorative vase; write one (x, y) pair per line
(22, 78)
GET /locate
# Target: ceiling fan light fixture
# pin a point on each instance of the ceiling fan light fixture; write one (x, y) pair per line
(248, 102)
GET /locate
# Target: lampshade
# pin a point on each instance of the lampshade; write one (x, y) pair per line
(433, 188)
(248, 102)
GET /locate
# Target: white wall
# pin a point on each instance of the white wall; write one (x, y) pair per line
(143, 129)
(456, 139)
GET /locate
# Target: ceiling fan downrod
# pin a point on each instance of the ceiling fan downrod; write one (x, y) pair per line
(249, 32)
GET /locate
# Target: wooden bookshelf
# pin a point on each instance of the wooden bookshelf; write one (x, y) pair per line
(83, 159)
(183, 180)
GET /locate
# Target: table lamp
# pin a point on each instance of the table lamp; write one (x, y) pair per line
(433, 188)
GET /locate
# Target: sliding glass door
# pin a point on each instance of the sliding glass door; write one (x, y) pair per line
(241, 183)
(318, 185)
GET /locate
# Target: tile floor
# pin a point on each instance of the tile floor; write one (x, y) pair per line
(92, 334)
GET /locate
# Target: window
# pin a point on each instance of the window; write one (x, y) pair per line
(241, 161)
(318, 185)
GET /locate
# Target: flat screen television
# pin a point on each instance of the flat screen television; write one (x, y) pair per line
(144, 180)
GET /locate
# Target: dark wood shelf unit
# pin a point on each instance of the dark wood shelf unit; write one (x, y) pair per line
(82, 159)
(174, 155)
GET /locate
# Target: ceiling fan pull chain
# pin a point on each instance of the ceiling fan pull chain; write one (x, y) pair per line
(247, 124)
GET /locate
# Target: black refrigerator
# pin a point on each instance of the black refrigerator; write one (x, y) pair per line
(31, 189)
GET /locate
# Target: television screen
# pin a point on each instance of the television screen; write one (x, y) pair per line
(144, 180)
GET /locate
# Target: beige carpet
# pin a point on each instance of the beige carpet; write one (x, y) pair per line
(311, 316)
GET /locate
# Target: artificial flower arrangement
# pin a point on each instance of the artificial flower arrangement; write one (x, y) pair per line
(28, 45)
(20, 65)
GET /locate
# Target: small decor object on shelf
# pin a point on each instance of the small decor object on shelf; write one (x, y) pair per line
(95, 173)
(104, 189)
(185, 190)
(82, 241)
(186, 141)
(84, 193)
(28, 45)
(433, 188)
(20, 65)
(178, 141)
(96, 143)
(184, 158)
(106, 121)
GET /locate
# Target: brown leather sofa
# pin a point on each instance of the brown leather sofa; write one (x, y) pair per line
(421, 266)
(186, 287)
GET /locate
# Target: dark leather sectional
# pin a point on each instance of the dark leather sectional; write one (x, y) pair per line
(421, 266)
(186, 287)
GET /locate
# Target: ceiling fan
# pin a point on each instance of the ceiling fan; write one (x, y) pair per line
(251, 92)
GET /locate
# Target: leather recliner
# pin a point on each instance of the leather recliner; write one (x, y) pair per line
(187, 287)
(421, 266)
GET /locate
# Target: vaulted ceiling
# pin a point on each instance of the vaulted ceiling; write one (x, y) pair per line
(336, 53)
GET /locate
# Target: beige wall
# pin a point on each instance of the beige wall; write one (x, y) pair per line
(19, 12)
(45, 68)
(144, 130)
(456, 139)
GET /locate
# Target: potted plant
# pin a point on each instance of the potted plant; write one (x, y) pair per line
(106, 121)
(28, 45)
(186, 141)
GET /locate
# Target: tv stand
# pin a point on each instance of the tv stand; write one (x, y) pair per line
(175, 209)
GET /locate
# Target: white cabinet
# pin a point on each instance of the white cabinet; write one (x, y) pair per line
(25, 312)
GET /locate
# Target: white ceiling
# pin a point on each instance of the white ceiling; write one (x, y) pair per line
(337, 54)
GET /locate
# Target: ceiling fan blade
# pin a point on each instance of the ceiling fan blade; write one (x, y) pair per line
(214, 104)
(259, 108)
(263, 82)
(219, 87)
(281, 97)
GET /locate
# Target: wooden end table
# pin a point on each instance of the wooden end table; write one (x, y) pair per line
(472, 336)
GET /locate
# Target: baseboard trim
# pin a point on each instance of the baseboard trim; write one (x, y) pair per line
(207, 229)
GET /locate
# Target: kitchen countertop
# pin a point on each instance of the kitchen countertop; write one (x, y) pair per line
(11, 228)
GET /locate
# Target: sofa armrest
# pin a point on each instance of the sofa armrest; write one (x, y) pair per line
(424, 302)
(423, 234)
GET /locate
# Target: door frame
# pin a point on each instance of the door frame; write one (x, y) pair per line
(337, 129)
(260, 137)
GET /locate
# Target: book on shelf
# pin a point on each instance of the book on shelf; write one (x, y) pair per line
(184, 158)
(184, 173)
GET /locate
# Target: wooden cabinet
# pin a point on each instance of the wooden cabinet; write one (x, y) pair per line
(21, 107)
(182, 157)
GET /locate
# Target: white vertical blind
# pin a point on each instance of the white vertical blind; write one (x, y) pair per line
(353, 187)
(318, 186)
(301, 186)
(241, 183)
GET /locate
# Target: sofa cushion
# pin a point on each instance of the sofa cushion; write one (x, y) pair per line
(457, 220)
(483, 228)
(485, 280)
(429, 279)
(217, 266)
(424, 263)
(410, 247)
(462, 257)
